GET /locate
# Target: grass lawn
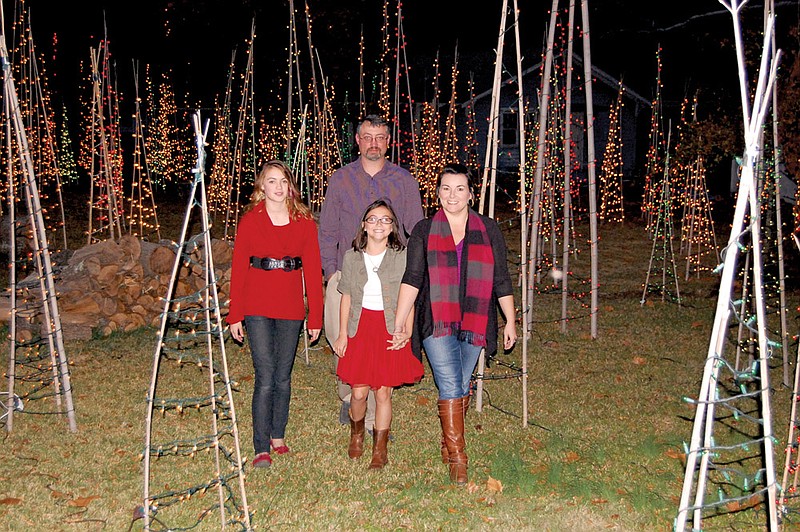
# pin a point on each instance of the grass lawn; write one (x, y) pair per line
(603, 448)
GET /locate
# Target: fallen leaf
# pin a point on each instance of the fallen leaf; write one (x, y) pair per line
(487, 519)
(472, 487)
(638, 361)
(422, 400)
(674, 453)
(10, 500)
(618, 379)
(82, 502)
(120, 452)
(698, 324)
(572, 456)
(59, 495)
(452, 510)
(608, 308)
(599, 500)
(494, 485)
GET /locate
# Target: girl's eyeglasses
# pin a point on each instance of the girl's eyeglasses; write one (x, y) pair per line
(385, 220)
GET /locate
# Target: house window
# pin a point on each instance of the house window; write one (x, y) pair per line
(509, 129)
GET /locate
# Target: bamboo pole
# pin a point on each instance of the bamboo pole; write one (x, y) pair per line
(592, 162)
(541, 139)
(522, 163)
(490, 161)
(567, 211)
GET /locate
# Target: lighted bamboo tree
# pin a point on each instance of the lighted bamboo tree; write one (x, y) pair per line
(714, 459)
(242, 170)
(43, 363)
(611, 204)
(106, 210)
(192, 333)
(542, 196)
(142, 214)
(655, 156)
(37, 113)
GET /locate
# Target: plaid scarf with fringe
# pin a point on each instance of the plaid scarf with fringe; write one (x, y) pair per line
(449, 318)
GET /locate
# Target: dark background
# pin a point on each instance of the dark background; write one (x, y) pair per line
(195, 39)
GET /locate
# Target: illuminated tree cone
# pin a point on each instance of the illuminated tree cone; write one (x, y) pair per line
(697, 231)
(142, 215)
(203, 468)
(38, 369)
(662, 277)
(106, 209)
(36, 108)
(654, 158)
(611, 201)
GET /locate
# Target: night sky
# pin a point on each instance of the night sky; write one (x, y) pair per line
(196, 38)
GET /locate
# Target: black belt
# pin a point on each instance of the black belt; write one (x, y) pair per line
(286, 264)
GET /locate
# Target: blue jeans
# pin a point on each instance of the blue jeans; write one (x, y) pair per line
(273, 345)
(452, 362)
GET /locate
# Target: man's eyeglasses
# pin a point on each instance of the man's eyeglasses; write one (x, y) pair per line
(380, 139)
(385, 220)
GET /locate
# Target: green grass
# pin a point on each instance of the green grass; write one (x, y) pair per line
(602, 449)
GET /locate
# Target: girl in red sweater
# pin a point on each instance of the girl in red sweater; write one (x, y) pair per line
(276, 247)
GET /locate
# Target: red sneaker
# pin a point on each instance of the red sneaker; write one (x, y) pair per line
(262, 460)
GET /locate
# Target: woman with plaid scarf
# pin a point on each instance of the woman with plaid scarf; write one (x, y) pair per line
(456, 276)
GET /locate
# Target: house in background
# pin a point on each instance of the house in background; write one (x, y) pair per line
(634, 121)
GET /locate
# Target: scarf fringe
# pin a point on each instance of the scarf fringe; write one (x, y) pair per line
(454, 329)
(446, 329)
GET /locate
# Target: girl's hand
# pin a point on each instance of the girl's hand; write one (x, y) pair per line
(340, 345)
(237, 331)
(509, 335)
(314, 334)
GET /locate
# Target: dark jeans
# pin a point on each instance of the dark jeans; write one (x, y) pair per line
(273, 345)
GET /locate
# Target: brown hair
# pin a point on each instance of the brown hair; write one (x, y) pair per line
(297, 209)
(394, 242)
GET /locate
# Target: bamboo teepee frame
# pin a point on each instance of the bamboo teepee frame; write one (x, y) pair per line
(48, 356)
(206, 335)
(706, 457)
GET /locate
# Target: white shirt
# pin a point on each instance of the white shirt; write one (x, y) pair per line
(373, 296)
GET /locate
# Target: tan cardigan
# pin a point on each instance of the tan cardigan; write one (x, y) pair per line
(354, 277)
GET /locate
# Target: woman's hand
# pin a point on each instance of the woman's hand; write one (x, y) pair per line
(340, 345)
(314, 334)
(509, 335)
(399, 339)
(237, 331)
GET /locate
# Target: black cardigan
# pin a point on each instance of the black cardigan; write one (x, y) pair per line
(417, 275)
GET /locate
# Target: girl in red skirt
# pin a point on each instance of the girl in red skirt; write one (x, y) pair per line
(369, 357)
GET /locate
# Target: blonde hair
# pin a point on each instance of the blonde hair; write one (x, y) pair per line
(297, 209)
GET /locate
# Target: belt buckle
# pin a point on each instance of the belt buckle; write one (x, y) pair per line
(288, 263)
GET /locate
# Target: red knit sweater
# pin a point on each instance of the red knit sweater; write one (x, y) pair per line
(275, 293)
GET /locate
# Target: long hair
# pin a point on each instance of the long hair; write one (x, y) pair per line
(394, 242)
(297, 209)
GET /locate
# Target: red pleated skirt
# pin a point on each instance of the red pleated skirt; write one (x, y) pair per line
(368, 362)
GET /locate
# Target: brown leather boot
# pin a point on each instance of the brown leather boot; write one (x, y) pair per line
(356, 447)
(451, 415)
(445, 452)
(380, 440)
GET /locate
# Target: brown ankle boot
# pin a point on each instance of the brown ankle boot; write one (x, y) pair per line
(451, 415)
(380, 440)
(356, 447)
(445, 452)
